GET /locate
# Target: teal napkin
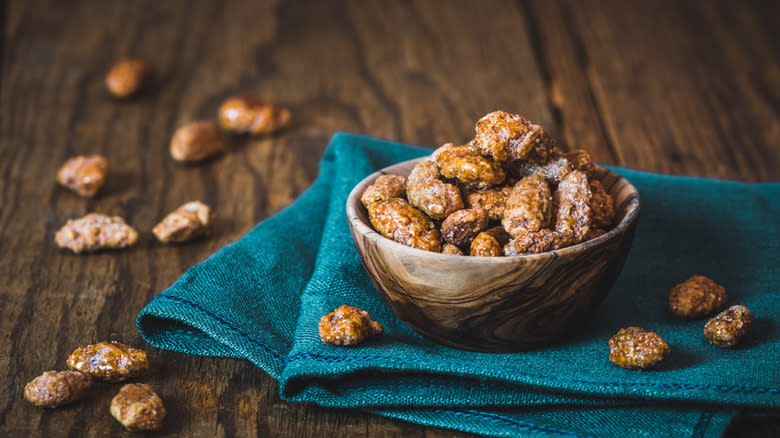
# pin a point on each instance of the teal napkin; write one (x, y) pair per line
(261, 298)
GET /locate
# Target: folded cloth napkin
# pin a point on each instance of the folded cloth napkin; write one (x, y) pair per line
(261, 298)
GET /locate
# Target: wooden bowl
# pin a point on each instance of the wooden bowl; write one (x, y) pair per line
(495, 304)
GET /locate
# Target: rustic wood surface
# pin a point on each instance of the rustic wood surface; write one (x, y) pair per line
(665, 86)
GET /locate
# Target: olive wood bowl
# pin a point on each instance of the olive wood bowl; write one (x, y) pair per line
(495, 304)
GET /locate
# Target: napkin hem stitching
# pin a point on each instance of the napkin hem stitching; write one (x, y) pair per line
(319, 357)
(516, 423)
(685, 386)
(221, 321)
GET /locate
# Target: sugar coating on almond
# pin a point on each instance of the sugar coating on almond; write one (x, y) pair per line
(696, 297)
(94, 232)
(190, 221)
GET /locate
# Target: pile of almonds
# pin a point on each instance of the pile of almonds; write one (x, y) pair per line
(508, 192)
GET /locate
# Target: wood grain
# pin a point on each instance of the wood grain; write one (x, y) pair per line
(678, 87)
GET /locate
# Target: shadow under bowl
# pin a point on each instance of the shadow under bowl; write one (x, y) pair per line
(495, 304)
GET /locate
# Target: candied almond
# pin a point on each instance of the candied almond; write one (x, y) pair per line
(94, 232)
(634, 348)
(505, 136)
(85, 175)
(56, 388)
(451, 249)
(109, 361)
(572, 202)
(529, 206)
(397, 220)
(581, 160)
(384, 188)
(190, 221)
(727, 328)
(197, 141)
(460, 227)
(138, 407)
(485, 245)
(128, 76)
(535, 242)
(428, 193)
(553, 170)
(602, 206)
(347, 326)
(696, 298)
(252, 115)
(492, 200)
(465, 164)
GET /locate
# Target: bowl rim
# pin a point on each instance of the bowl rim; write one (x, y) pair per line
(357, 225)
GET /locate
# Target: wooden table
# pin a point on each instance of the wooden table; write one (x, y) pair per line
(673, 87)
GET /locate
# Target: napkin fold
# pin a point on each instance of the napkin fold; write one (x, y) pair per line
(261, 298)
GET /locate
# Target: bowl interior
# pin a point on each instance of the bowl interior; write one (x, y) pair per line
(625, 195)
